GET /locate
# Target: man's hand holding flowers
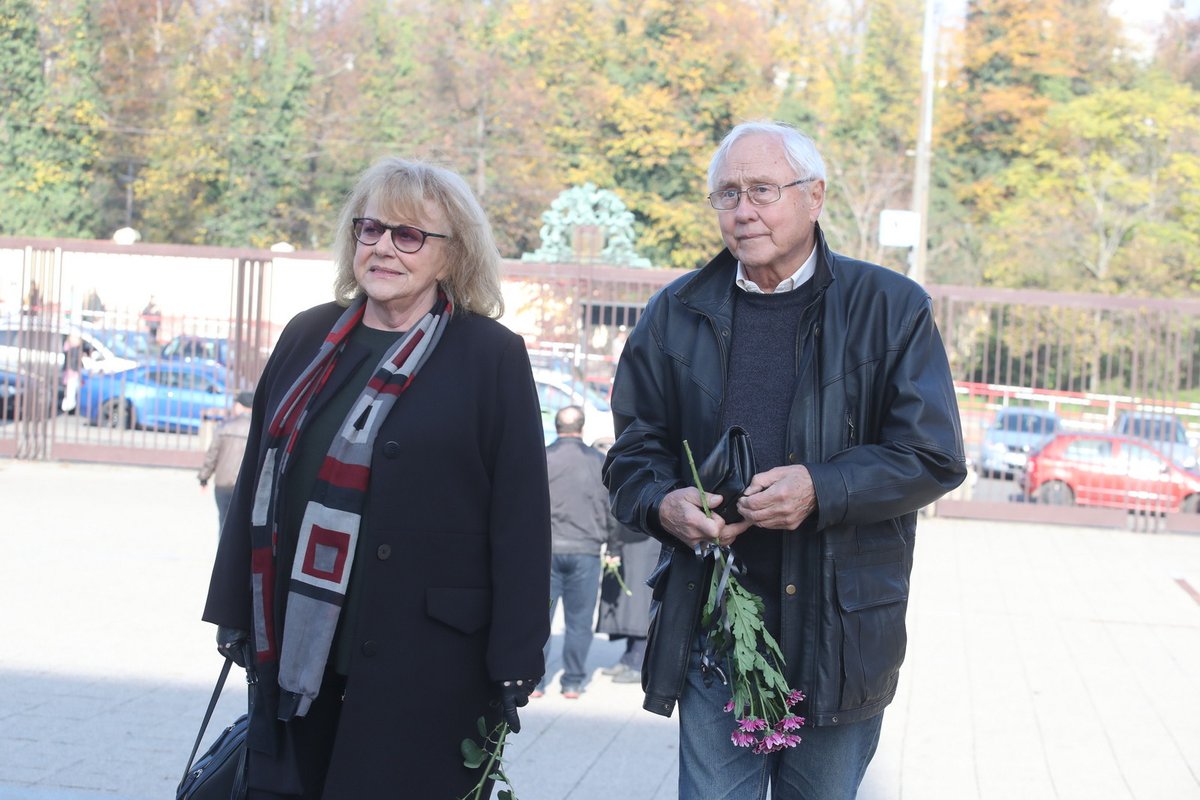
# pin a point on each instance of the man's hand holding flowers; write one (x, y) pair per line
(682, 514)
(740, 650)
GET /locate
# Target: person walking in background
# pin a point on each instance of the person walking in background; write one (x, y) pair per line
(94, 304)
(626, 616)
(578, 528)
(33, 300)
(72, 371)
(387, 549)
(152, 317)
(224, 456)
(837, 371)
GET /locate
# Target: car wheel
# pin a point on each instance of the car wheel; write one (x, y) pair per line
(1191, 504)
(116, 414)
(1055, 493)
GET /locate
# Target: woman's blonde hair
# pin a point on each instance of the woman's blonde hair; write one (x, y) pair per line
(401, 189)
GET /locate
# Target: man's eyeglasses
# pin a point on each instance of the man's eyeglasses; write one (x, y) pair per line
(760, 194)
(406, 238)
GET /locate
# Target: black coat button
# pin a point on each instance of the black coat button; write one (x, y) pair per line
(384, 552)
(391, 449)
(370, 648)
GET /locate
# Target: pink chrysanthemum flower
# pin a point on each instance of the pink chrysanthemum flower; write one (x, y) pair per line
(729, 707)
(774, 742)
(789, 723)
(751, 724)
(741, 739)
(796, 696)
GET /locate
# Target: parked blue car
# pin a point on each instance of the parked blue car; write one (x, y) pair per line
(132, 344)
(167, 395)
(19, 389)
(200, 349)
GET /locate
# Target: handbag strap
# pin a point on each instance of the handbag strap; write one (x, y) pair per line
(212, 705)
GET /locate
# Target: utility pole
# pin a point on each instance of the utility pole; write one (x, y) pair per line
(920, 198)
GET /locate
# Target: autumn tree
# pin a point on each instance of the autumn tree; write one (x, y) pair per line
(51, 122)
(242, 102)
(1103, 197)
(368, 101)
(1018, 60)
(857, 93)
(681, 76)
(134, 73)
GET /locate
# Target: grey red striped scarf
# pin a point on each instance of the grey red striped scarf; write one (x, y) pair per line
(328, 531)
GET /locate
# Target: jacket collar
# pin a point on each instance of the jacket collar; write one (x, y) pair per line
(710, 290)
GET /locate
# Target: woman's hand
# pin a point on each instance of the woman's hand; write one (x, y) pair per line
(514, 695)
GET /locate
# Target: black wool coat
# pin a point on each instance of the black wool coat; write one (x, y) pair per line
(623, 614)
(455, 580)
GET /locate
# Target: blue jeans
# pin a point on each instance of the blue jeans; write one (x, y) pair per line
(223, 495)
(828, 764)
(576, 579)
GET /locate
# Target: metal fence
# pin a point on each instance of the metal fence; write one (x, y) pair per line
(1087, 360)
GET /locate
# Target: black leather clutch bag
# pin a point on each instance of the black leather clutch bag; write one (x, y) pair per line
(727, 471)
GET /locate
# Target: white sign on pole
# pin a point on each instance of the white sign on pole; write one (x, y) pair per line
(898, 228)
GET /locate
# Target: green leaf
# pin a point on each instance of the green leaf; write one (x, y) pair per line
(473, 754)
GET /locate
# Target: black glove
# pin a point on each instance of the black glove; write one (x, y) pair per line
(233, 644)
(514, 695)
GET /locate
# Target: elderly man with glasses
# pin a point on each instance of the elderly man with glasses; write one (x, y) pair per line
(837, 371)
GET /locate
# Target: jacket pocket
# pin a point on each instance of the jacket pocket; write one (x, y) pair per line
(659, 573)
(466, 610)
(872, 602)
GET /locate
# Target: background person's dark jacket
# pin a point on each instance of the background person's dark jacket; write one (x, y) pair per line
(627, 614)
(875, 420)
(578, 500)
(457, 557)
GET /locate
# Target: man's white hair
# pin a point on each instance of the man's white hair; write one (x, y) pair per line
(801, 150)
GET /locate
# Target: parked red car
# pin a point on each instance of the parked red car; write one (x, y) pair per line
(1095, 469)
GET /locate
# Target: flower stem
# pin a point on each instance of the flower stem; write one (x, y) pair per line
(696, 477)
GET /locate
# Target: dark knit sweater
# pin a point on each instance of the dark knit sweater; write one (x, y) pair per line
(758, 396)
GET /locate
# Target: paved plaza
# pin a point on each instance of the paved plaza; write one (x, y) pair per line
(1044, 661)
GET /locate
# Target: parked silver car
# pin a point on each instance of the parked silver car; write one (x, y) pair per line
(1162, 430)
(1009, 438)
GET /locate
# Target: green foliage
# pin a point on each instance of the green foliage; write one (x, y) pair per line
(488, 753)
(1102, 194)
(51, 120)
(244, 122)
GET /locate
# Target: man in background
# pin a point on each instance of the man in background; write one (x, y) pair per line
(224, 456)
(579, 522)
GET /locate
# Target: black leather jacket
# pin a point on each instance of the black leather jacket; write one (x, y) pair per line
(875, 421)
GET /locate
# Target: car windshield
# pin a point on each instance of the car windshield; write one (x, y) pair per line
(128, 344)
(1158, 430)
(1028, 423)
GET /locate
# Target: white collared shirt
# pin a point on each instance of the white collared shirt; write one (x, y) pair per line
(793, 281)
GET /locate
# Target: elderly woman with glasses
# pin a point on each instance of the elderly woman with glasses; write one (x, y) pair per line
(384, 570)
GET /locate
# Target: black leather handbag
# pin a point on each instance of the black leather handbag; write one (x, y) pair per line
(728, 470)
(219, 774)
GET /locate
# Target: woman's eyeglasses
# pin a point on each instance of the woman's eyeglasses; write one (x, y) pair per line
(406, 238)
